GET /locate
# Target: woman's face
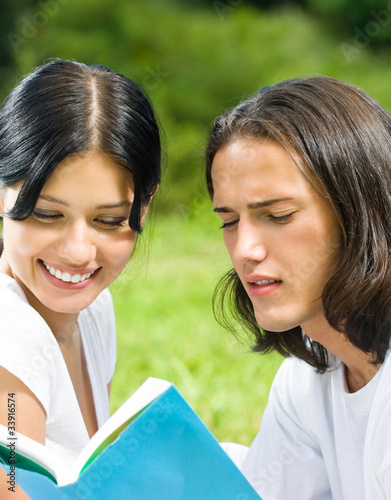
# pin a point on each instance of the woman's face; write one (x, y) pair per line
(78, 239)
(282, 236)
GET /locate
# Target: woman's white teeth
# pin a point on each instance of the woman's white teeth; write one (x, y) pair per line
(265, 282)
(67, 277)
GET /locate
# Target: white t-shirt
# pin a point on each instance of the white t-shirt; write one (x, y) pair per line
(29, 350)
(319, 442)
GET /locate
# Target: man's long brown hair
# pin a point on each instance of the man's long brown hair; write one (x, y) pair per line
(340, 139)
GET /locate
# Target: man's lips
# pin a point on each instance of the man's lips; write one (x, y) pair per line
(256, 279)
(260, 285)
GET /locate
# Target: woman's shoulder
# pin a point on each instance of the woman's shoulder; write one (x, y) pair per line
(15, 309)
(28, 349)
(11, 289)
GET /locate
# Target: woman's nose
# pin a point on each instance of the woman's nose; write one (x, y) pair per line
(77, 245)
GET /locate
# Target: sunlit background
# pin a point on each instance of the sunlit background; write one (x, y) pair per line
(195, 58)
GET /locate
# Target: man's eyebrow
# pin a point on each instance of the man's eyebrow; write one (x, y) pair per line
(268, 203)
(125, 203)
(252, 206)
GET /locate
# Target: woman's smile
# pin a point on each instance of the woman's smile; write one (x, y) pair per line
(68, 280)
(73, 245)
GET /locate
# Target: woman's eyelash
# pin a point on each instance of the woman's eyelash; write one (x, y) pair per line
(119, 222)
(40, 215)
(47, 217)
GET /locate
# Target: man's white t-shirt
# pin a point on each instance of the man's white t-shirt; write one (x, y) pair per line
(29, 350)
(317, 441)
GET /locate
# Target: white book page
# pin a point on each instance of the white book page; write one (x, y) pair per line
(38, 453)
(145, 394)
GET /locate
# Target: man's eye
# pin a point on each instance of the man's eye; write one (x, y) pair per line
(283, 219)
(229, 224)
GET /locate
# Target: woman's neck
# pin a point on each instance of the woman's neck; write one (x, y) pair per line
(63, 325)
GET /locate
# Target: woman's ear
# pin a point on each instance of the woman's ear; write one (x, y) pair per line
(145, 208)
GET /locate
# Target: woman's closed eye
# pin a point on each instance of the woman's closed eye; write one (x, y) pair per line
(112, 222)
(105, 222)
(46, 216)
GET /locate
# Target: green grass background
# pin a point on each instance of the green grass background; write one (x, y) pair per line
(166, 328)
(195, 58)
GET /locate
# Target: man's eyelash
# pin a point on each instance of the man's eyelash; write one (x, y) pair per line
(282, 219)
(228, 224)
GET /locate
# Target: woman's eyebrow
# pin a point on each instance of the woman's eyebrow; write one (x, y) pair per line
(53, 200)
(125, 203)
(252, 206)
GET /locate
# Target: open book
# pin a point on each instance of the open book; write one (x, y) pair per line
(153, 447)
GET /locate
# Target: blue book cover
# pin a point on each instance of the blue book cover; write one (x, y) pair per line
(166, 452)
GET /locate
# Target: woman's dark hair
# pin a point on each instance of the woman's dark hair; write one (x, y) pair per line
(66, 108)
(340, 139)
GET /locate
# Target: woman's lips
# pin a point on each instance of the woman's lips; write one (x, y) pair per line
(64, 279)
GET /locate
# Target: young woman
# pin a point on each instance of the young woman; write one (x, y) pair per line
(300, 175)
(79, 163)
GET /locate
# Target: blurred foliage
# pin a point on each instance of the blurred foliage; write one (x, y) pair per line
(197, 57)
(9, 15)
(365, 18)
(166, 329)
